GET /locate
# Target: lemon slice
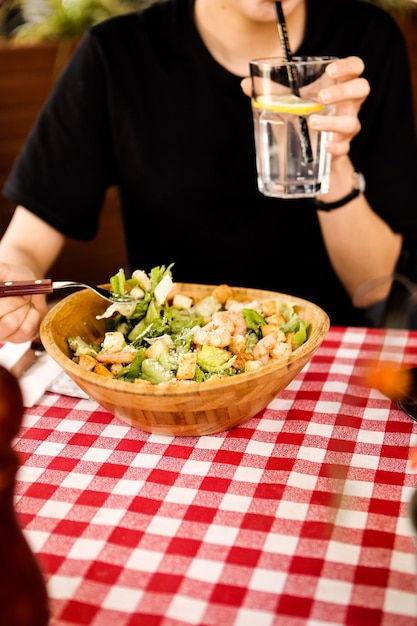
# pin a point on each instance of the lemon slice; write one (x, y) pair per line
(287, 103)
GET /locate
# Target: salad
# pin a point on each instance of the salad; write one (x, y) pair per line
(164, 335)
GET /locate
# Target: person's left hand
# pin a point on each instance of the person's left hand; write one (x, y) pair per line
(348, 94)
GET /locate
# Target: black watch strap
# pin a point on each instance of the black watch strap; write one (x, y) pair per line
(358, 188)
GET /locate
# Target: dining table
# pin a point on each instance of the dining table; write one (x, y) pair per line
(300, 516)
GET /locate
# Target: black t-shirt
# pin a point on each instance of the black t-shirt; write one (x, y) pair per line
(143, 105)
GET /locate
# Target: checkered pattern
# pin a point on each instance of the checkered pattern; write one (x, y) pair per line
(300, 516)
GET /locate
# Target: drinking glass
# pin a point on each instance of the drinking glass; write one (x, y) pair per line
(291, 158)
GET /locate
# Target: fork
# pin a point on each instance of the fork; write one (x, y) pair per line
(46, 285)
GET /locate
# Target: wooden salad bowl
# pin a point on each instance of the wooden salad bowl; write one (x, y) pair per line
(190, 409)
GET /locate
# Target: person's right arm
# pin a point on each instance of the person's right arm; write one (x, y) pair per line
(28, 248)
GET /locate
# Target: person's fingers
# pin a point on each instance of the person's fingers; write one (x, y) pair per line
(356, 89)
(346, 68)
(347, 125)
(246, 86)
(20, 322)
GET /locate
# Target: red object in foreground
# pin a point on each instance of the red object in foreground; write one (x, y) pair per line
(389, 379)
(23, 595)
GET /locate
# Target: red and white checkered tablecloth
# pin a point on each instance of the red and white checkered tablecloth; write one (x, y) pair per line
(298, 517)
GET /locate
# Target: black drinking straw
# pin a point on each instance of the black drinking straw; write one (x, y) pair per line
(292, 79)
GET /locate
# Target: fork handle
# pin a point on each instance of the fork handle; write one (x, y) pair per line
(25, 287)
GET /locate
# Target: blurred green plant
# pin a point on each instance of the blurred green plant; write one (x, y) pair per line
(31, 21)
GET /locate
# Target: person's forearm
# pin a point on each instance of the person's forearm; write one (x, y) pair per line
(361, 246)
(30, 243)
(16, 256)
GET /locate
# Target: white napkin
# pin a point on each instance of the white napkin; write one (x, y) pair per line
(36, 380)
(64, 385)
(11, 353)
(43, 375)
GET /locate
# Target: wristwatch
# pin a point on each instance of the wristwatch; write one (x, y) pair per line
(359, 186)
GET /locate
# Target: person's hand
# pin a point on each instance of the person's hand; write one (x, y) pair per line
(348, 94)
(20, 316)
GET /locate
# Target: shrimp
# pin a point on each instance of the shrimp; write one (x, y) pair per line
(234, 322)
(211, 335)
(281, 351)
(224, 325)
(263, 348)
(272, 346)
(123, 356)
(143, 278)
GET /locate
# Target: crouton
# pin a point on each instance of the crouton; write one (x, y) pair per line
(276, 318)
(267, 329)
(237, 344)
(241, 359)
(270, 306)
(186, 366)
(87, 362)
(102, 370)
(222, 293)
(156, 349)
